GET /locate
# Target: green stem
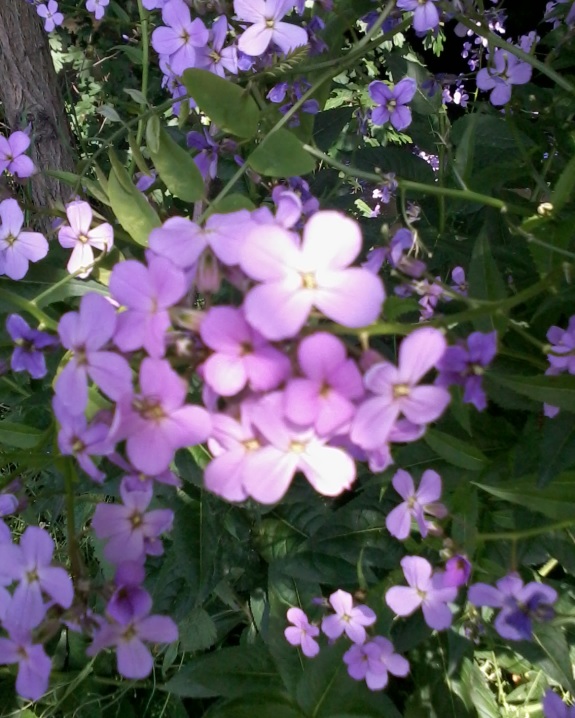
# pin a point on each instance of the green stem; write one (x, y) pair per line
(526, 533)
(145, 62)
(28, 307)
(73, 549)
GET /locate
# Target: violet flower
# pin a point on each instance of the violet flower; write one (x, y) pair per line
(348, 619)
(241, 355)
(18, 248)
(133, 657)
(28, 353)
(98, 7)
(179, 40)
(464, 365)
(324, 396)
(82, 240)
(425, 590)
(457, 571)
(30, 564)
(12, 157)
(507, 70)
(215, 57)
(302, 633)
(267, 27)
(34, 666)
(520, 605)
(425, 15)
(295, 278)
(553, 706)
(415, 504)
(397, 393)
(85, 333)
(157, 422)
(392, 102)
(49, 13)
(130, 530)
(373, 661)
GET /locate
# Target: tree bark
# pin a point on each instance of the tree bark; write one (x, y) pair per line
(30, 94)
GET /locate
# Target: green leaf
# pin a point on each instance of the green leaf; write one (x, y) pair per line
(262, 705)
(19, 436)
(456, 452)
(480, 696)
(281, 154)
(329, 126)
(229, 106)
(177, 169)
(485, 282)
(557, 447)
(565, 187)
(554, 390)
(197, 631)
(153, 129)
(230, 672)
(398, 160)
(556, 501)
(131, 207)
(74, 180)
(232, 203)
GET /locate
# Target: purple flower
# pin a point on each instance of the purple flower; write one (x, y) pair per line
(148, 293)
(397, 393)
(98, 7)
(553, 706)
(295, 278)
(129, 595)
(49, 13)
(179, 40)
(457, 571)
(426, 590)
(241, 355)
(415, 504)
(563, 347)
(520, 605)
(460, 284)
(373, 661)
(425, 15)
(392, 102)
(215, 57)
(207, 157)
(134, 658)
(348, 619)
(34, 666)
(30, 564)
(157, 422)
(302, 633)
(28, 355)
(12, 157)
(81, 239)
(324, 398)
(507, 70)
(17, 248)
(267, 28)
(131, 531)
(464, 365)
(85, 333)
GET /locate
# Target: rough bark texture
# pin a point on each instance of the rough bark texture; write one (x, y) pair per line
(29, 93)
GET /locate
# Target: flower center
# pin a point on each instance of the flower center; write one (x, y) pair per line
(149, 408)
(10, 239)
(32, 576)
(252, 444)
(270, 23)
(83, 238)
(136, 520)
(308, 280)
(400, 390)
(78, 446)
(297, 447)
(216, 57)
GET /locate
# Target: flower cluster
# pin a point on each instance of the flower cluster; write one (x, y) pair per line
(561, 356)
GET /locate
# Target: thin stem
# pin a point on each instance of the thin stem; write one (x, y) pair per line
(145, 62)
(27, 306)
(526, 533)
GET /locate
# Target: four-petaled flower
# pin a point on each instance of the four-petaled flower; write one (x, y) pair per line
(392, 102)
(302, 633)
(348, 619)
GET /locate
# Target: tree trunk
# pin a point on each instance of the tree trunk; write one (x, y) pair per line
(30, 94)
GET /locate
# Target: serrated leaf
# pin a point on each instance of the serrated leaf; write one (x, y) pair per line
(554, 390)
(456, 452)
(131, 207)
(557, 447)
(565, 186)
(197, 631)
(281, 154)
(177, 169)
(229, 106)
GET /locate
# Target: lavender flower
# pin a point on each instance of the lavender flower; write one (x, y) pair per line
(507, 70)
(12, 157)
(553, 707)
(392, 102)
(28, 354)
(302, 633)
(415, 504)
(34, 666)
(425, 15)
(426, 590)
(18, 248)
(347, 618)
(373, 661)
(50, 14)
(520, 605)
(464, 365)
(267, 27)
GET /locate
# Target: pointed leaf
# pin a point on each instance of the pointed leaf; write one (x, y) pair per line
(281, 154)
(177, 169)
